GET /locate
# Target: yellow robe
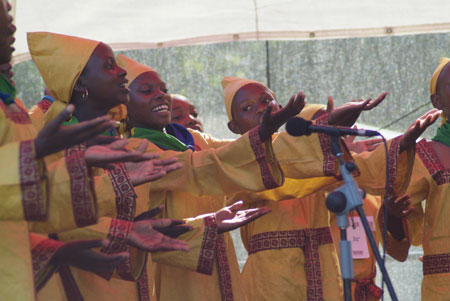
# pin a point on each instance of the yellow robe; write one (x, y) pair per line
(430, 182)
(200, 175)
(295, 219)
(26, 186)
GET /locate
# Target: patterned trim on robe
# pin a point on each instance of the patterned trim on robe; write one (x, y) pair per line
(33, 203)
(41, 255)
(121, 227)
(436, 264)
(208, 249)
(142, 286)
(431, 161)
(366, 288)
(393, 154)
(16, 117)
(329, 160)
(223, 267)
(84, 210)
(44, 105)
(260, 154)
(308, 240)
(389, 247)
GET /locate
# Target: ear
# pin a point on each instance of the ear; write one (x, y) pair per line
(436, 101)
(80, 85)
(280, 106)
(232, 125)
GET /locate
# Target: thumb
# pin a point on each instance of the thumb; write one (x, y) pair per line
(330, 104)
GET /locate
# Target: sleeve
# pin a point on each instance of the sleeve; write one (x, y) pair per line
(246, 163)
(291, 189)
(42, 251)
(23, 183)
(396, 249)
(372, 169)
(202, 242)
(73, 200)
(207, 141)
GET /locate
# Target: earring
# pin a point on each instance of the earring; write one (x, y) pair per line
(85, 94)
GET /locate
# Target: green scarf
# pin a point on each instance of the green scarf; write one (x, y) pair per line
(163, 140)
(443, 134)
(74, 120)
(7, 90)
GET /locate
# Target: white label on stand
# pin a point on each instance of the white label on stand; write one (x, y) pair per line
(357, 237)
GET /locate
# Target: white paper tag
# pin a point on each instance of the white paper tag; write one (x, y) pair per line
(357, 236)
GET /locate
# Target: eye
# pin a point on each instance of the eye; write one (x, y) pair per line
(247, 108)
(194, 113)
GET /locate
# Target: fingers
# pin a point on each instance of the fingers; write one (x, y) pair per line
(143, 147)
(236, 206)
(53, 125)
(377, 101)
(266, 114)
(149, 214)
(173, 167)
(164, 162)
(118, 145)
(330, 104)
(171, 244)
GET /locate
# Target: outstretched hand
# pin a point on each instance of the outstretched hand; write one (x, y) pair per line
(348, 113)
(80, 255)
(146, 236)
(54, 137)
(104, 155)
(150, 170)
(360, 146)
(418, 127)
(272, 121)
(230, 218)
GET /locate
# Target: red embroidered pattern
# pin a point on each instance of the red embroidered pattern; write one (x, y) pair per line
(34, 207)
(207, 252)
(41, 255)
(308, 240)
(119, 231)
(436, 264)
(329, 161)
(366, 287)
(142, 284)
(394, 152)
(260, 154)
(431, 161)
(16, 117)
(44, 105)
(226, 288)
(83, 209)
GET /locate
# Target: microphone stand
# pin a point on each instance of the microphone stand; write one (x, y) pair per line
(341, 201)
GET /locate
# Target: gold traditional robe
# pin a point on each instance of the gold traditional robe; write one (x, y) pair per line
(430, 182)
(277, 243)
(27, 185)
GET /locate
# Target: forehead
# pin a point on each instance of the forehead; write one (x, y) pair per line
(102, 51)
(148, 78)
(444, 77)
(250, 91)
(181, 103)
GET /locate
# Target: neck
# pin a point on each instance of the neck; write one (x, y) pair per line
(145, 126)
(84, 111)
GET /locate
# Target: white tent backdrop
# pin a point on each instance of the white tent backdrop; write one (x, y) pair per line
(138, 24)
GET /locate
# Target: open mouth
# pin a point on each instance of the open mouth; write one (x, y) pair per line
(161, 108)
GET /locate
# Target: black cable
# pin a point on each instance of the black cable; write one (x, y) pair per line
(404, 116)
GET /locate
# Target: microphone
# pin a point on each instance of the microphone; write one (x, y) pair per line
(298, 127)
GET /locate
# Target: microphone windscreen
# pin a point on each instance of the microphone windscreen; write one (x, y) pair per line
(298, 127)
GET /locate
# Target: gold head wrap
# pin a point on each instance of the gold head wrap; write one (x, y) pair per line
(133, 68)
(118, 113)
(310, 110)
(230, 86)
(433, 82)
(60, 60)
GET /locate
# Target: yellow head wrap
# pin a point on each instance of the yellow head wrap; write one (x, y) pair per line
(433, 82)
(60, 60)
(133, 68)
(230, 86)
(118, 113)
(310, 110)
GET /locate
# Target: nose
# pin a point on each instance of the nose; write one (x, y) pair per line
(122, 72)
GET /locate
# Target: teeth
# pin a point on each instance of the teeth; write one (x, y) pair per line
(161, 108)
